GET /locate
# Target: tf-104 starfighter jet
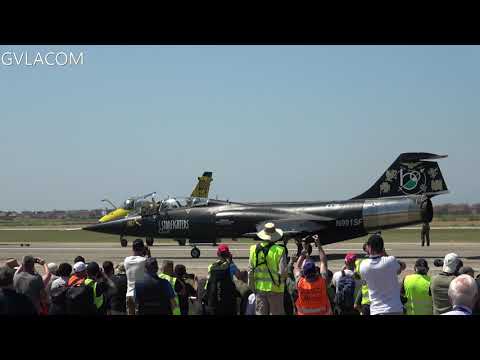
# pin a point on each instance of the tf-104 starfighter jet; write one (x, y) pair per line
(400, 197)
(133, 205)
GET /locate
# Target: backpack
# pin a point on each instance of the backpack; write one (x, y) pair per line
(79, 300)
(220, 294)
(58, 300)
(344, 298)
(265, 250)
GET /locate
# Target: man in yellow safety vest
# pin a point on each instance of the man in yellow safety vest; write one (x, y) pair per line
(416, 290)
(268, 271)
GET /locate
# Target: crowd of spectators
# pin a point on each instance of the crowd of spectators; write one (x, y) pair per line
(368, 284)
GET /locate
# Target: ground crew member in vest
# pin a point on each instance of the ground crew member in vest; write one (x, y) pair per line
(168, 274)
(312, 284)
(362, 302)
(94, 274)
(416, 290)
(425, 233)
(268, 271)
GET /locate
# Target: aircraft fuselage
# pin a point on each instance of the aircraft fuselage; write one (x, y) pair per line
(333, 220)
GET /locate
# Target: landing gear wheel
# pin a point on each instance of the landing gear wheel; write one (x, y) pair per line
(149, 241)
(123, 242)
(195, 253)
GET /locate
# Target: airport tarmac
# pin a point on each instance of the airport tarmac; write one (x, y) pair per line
(61, 251)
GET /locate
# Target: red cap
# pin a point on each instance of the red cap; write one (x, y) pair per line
(350, 258)
(223, 249)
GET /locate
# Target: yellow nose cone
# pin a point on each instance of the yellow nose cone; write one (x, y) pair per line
(114, 215)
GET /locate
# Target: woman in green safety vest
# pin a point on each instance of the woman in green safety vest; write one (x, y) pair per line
(416, 290)
(167, 274)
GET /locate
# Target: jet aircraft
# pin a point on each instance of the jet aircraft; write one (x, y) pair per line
(400, 197)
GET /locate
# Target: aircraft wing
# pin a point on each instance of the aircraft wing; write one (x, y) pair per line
(297, 225)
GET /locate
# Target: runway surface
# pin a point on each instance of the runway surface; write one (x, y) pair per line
(65, 252)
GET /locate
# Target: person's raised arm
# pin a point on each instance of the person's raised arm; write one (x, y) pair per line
(322, 256)
(48, 275)
(19, 270)
(297, 266)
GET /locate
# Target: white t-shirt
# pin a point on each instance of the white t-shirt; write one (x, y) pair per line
(380, 273)
(135, 270)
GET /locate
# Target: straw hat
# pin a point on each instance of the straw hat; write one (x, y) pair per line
(270, 233)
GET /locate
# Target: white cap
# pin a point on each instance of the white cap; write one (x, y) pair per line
(52, 267)
(450, 263)
(79, 267)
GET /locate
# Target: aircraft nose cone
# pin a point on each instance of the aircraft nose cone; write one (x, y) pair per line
(111, 227)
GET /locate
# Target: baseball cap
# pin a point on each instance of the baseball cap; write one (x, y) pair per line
(79, 267)
(450, 263)
(223, 249)
(309, 269)
(350, 258)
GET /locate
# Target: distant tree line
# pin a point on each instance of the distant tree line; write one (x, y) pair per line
(444, 209)
(457, 209)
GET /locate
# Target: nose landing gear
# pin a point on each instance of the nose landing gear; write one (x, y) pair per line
(195, 253)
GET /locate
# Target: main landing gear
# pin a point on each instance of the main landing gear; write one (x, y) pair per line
(195, 253)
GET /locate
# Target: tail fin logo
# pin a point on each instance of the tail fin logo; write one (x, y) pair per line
(412, 182)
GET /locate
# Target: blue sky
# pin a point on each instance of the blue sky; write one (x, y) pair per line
(274, 123)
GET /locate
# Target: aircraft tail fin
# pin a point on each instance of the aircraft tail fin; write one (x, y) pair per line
(410, 174)
(203, 185)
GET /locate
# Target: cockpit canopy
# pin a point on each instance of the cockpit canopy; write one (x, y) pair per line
(182, 202)
(129, 204)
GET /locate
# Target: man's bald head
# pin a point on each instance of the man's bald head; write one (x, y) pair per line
(463, 290)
